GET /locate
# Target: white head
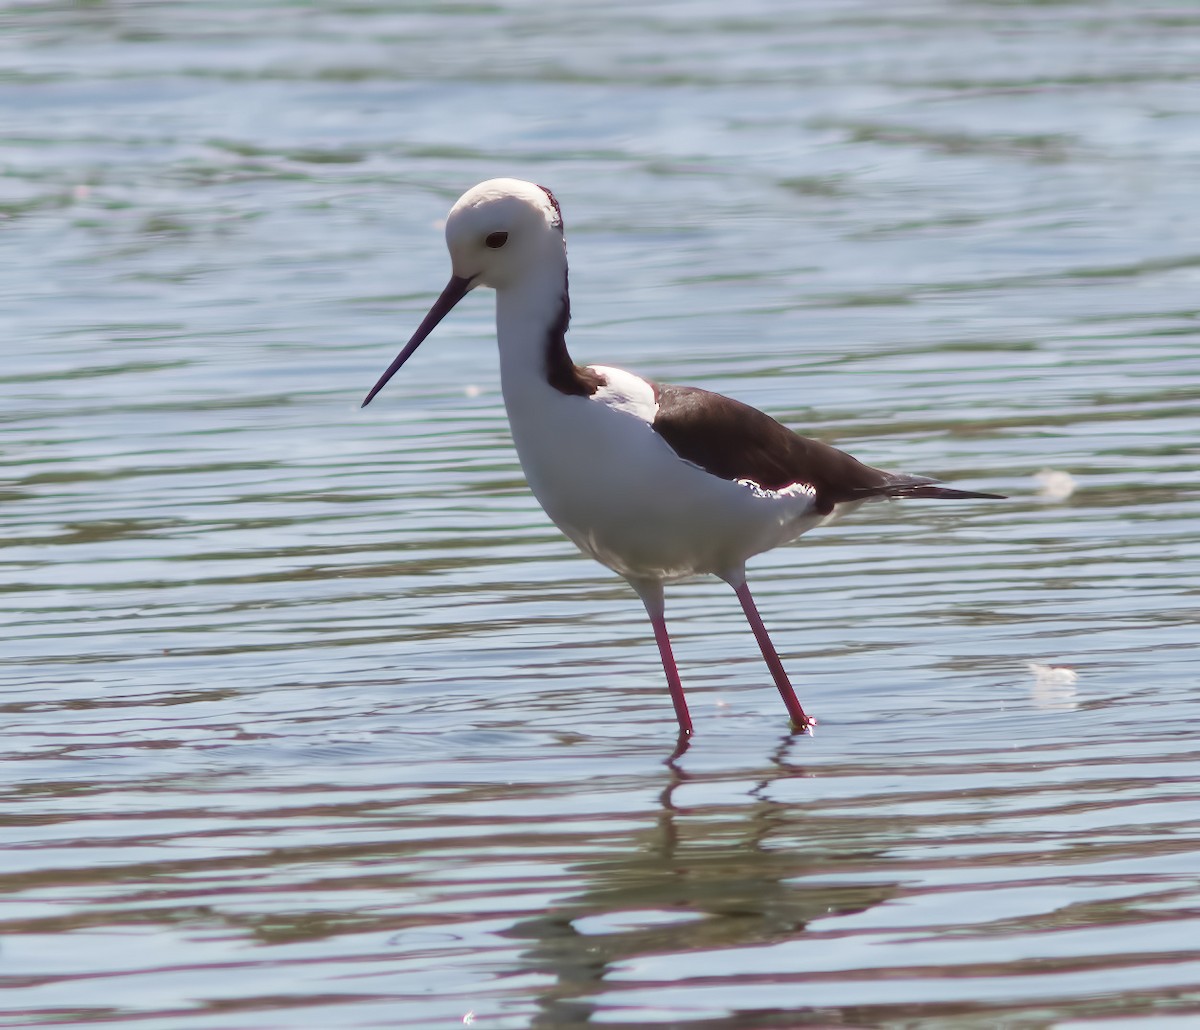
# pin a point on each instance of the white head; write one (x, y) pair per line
(500, 233)
(503, 229)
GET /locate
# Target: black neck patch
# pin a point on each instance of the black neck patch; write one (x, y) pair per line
(561, 372)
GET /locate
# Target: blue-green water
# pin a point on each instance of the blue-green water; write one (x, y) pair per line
(313, 720)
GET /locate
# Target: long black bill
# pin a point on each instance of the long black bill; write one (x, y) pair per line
(455, 290)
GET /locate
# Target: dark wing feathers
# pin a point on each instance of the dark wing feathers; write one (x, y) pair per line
(734, 441)
(922, 486)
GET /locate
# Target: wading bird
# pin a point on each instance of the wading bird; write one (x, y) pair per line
(656, 482)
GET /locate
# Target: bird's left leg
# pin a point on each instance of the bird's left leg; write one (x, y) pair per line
(737, 580)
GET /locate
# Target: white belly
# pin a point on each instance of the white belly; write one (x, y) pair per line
(619, 491)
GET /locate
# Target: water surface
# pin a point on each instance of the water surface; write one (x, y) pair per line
(313, 719)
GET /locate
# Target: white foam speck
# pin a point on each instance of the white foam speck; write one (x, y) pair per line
(1055, 485)
(1053, 686)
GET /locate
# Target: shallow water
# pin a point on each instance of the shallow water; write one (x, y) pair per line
(312, 717)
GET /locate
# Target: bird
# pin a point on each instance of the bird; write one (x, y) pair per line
(654, 481)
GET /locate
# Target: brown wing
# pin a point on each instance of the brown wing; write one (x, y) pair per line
(734, 441)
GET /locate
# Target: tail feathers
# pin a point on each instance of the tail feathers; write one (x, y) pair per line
(944, 493)
(900, 486)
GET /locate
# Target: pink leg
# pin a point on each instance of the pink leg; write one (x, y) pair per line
(652, 597)
(799, 719)
(673, 684)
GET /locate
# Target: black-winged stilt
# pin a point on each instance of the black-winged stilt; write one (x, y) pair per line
(656, 482)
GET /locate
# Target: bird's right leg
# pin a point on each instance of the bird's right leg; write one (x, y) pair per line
(651, 593)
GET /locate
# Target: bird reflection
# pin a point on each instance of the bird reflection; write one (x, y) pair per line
(698, 877)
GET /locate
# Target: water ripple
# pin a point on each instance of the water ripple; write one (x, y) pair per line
(313, 719)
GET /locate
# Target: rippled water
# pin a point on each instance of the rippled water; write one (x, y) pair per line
(312, 717)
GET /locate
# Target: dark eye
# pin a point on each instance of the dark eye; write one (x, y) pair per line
(496, 240)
